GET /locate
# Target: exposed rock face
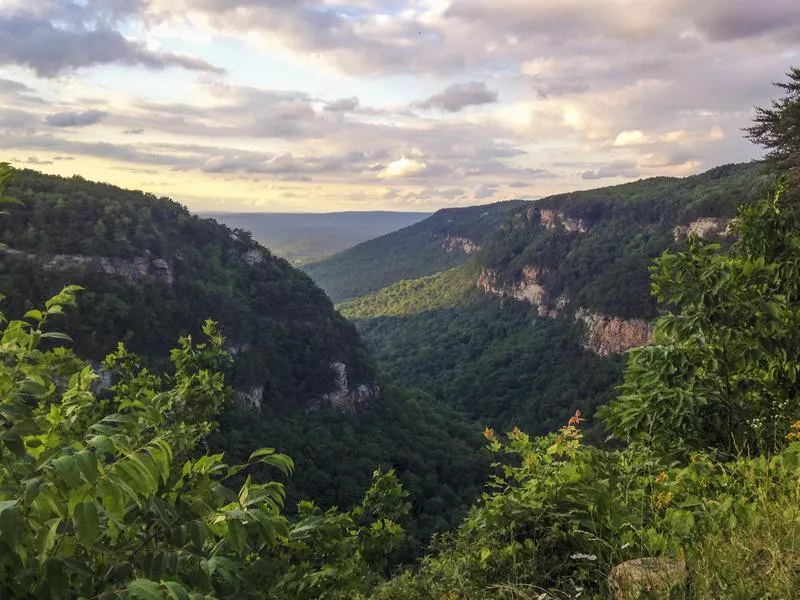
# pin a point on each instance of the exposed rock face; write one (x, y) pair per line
(529, 290)
(551, 219)
(347, 398)
(343, 397)
(606, 335)
(703, 228)
(253, 257)
(454, 243)
(648, 577)
(253, 398)
(137, 269)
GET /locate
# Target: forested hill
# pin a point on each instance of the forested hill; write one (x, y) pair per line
(534, 325)
(153, 272)
(439, 242)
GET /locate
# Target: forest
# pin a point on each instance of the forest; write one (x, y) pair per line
(113, 483)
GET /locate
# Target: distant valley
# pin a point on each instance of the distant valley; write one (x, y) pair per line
(302, 238)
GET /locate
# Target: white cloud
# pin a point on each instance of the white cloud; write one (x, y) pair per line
(403, 167)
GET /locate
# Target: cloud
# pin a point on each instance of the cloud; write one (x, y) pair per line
(459, 96)
(485, 191)
(75, 119)
(342, 105)
(404, 167)
(134, 131)
(49, 50)
(618, 168)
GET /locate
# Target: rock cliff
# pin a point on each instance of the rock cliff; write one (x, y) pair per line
(453, 243)
(136, 269)
(703, 228)
(529, 289)
(606, 335)
(550, 219)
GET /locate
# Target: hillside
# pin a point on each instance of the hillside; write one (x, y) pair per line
(441, 241)
(301, 238)
(153, 272)
(534, 325)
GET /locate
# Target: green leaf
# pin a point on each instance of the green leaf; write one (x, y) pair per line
(176, 591)
(55, 335)
(144, 589)
(237, 536)
(56, 578)
(48, 539)
(86, 522)
(67, 470)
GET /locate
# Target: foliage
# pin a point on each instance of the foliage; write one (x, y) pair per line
(722, 372)
(775, 128)
(434, 450)
(559, 514)
(152, 271)
(102, 494)
(494, 358)
(283, 333)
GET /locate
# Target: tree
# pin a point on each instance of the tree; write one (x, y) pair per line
(103, 493)
(777, 128)
(722, 372)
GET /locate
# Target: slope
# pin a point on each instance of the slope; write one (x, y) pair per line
(439, 242)
(151, 272)
(534, 325)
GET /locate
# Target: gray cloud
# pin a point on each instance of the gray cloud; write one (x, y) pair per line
(135, 131)
(343, 105)
(459, 96)
(485, 191)
(618, 168)
(33, 160)
(50, 50)
(75, 119)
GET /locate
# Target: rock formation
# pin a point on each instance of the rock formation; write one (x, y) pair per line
(454, 243)
(137, 269)
(703, 228)
(550, 219)
(607, 335)
(529, 289)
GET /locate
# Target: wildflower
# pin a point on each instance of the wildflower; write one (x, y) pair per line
(488, 433)
(662, 477)
(575, 419)
(580, 555)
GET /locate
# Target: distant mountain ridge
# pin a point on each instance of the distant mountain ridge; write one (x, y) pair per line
(439, 242)
(304, 237)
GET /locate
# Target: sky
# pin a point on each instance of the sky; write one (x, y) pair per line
(319, 105)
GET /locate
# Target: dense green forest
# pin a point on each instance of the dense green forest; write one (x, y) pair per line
(151, 272)
(496, 358)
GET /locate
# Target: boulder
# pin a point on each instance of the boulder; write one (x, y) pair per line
(648, 577)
